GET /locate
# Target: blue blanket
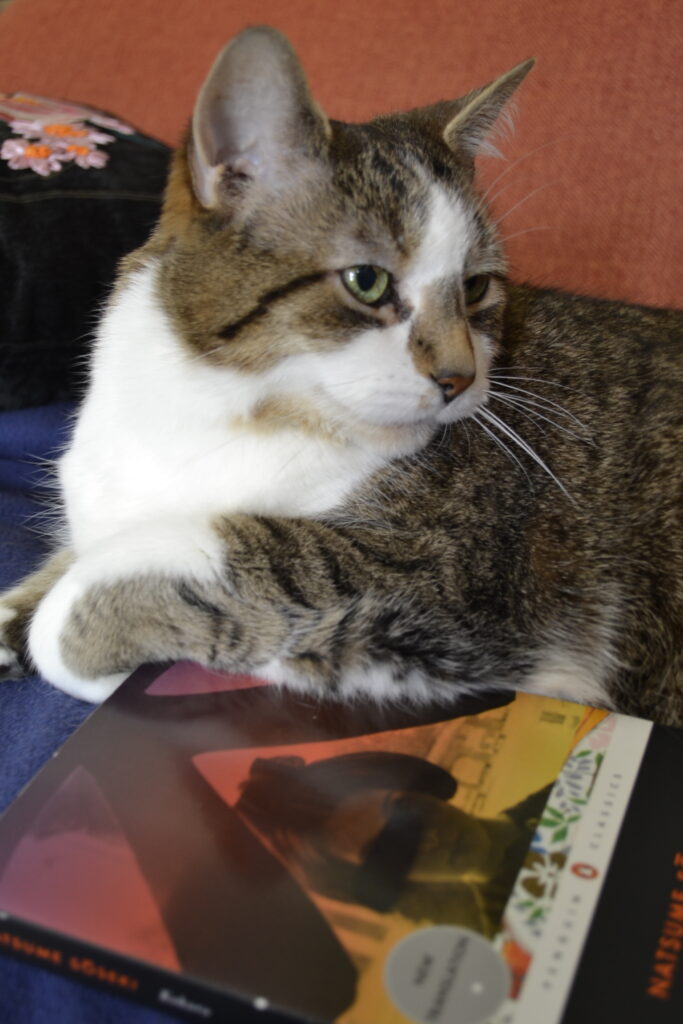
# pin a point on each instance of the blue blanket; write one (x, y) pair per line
(35, 719)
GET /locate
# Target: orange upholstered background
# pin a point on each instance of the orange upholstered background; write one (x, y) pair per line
(600, 130)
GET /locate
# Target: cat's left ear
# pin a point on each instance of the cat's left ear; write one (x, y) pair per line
(478, 112)
(255, 121)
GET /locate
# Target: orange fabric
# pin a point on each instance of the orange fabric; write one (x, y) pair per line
(593, 203)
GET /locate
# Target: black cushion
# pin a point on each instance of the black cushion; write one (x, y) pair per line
(76, 194)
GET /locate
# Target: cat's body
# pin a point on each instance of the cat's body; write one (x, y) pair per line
(276, 469)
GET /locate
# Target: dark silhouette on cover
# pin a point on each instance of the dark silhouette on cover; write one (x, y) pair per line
(377, 829)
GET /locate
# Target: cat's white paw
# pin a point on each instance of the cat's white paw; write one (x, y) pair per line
(44, 644)
(174, 547)
(10, 664)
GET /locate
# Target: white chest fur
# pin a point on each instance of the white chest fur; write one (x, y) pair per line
(159, 435)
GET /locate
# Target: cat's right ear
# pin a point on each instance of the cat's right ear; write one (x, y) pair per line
(255, 120)
(477, 113)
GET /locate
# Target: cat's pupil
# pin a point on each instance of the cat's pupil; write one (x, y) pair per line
(366, 278)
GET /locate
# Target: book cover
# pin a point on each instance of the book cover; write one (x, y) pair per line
(205, 838)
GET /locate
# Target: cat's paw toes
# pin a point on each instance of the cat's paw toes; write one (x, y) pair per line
(11, 664)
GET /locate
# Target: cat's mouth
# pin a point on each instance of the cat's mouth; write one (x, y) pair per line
(466, 403)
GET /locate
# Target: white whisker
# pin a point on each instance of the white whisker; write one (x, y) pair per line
(522, 406)
(525, 156)
(541, 402)
(495, 373)
(499, 193)
(524, 199)
(526, 231)
(501, 444)
(514, 436)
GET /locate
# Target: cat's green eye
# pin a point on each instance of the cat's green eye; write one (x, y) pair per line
(476, 288)
(366, 283)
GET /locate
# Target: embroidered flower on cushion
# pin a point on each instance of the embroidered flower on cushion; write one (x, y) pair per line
(78, 130)
(36, 156)
(85, 156)
(45, 148)
(60, 131)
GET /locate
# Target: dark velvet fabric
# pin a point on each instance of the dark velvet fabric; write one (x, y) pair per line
(61, 237)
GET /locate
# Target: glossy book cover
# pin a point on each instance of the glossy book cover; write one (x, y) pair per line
(204, 839)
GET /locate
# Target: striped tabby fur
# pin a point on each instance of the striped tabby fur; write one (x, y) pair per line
(458, 484)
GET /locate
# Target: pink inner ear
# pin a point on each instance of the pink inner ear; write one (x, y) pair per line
(186, 678)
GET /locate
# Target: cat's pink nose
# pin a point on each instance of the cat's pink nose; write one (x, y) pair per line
(455, 385)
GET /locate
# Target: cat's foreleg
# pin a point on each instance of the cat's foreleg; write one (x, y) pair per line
(168, 590)
(289, 598)
(17, 607)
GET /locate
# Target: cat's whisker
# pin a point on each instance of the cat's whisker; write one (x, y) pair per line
(465, 426)
(501, 444)
(530, 405)
(444, 442)
(495, 374)
(523, 408)
(514, 436)
(525, 156)
(524, 199)
(527, 409)
(526, 231)
(548, 407)
(500, 192)
(541, 402)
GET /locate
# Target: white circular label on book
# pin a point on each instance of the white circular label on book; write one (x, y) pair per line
(446, 975)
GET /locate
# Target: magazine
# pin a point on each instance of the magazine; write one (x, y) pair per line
(205, 839)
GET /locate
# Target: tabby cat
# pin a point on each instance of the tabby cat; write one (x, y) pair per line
(327, 442)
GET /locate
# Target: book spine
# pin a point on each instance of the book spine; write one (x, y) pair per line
(134, 979)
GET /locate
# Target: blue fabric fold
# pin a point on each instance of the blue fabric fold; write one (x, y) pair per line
(36, 719)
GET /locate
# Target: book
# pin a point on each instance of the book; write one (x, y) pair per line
(206, 842)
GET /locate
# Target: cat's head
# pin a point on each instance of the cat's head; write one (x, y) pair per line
(348, 273)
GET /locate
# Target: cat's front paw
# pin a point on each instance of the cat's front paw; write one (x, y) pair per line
(12, 665)
(45, 644)
(116, 606)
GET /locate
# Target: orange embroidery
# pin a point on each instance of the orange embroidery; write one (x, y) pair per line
(65, 130)
(47, 147)
(37, 152)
